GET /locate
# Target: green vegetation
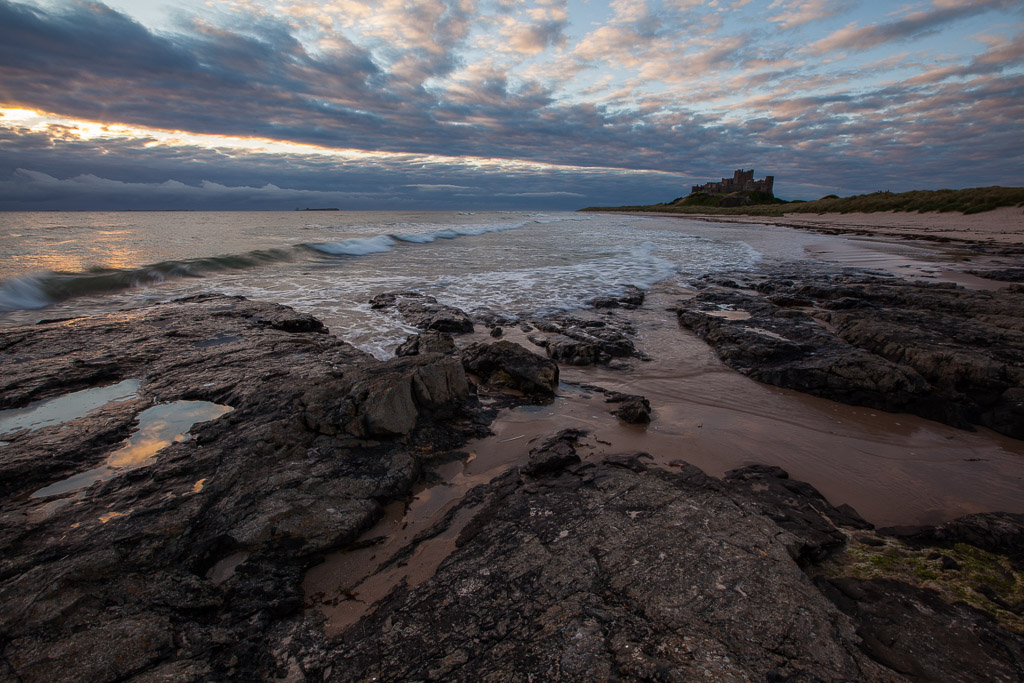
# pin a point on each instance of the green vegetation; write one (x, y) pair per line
(962, 573)
(967, 201)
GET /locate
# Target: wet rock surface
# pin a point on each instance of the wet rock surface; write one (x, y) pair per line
(577, 341)
(430, 341)
(612, 570)
(556, 453)
(797, 507)
(190, 566)
(917, 634)
(423, 311)
(935, 350)
(1001, 533)
(631, 408)
(1002, 274)
(507, 365)
(632, 298)
(180, 566)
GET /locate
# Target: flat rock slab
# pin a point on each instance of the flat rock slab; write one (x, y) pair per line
(617, 572)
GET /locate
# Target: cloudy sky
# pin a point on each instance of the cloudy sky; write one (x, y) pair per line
(477, 104)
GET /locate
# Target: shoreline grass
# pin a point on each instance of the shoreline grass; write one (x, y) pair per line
(966, 201)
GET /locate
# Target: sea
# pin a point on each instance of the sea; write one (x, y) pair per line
(509, 264)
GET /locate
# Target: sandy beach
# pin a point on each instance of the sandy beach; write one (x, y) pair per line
(1001, 228)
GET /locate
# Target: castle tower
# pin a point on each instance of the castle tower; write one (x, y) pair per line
(741, 181)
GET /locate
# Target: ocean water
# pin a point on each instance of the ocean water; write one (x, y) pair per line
(513, 264)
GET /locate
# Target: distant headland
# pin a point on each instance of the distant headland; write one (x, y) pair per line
(742, 195)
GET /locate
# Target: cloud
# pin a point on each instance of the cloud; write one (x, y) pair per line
(796, 13)
(439, 187)
(1004, 52)
(533, 195)
(133, 173)
(909, 26)
(675, 89)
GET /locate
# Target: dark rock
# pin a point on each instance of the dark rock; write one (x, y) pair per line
(843, 303)
(389, 401)
(632, 409)
(496, 332)
(555, 454)
(633, 298)
(189, 567)
(949, 564)
(1003, 274)
(789, 301)
(574, 341)
(798, 353)
(948, 354)
(797, 507)
(430, 341)
(506, 365)
(609, 572)
(569, 351)
(424, 312)
(915, 633)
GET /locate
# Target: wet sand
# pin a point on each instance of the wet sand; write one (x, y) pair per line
(893, 468)
(1000, 227)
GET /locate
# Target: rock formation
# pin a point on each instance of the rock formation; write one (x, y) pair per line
(938, 351)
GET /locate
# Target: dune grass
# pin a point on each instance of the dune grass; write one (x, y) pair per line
(966, 201)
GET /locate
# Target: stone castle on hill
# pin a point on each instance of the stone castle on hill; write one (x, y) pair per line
(741, 181)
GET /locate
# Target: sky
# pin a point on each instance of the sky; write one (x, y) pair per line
(499, 104)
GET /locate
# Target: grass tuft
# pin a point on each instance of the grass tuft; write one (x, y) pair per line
(962, 573)
(967, 201)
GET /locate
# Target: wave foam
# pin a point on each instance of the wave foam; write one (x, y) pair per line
(359, 246)
(38, 290)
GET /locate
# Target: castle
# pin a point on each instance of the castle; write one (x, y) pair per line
(741, 181)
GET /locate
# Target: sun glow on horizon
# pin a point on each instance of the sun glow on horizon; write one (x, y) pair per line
(65, 128)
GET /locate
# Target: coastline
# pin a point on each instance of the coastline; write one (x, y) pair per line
(450, 481)
(998, 231)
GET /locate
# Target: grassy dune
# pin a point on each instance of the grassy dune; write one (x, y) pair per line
(966, 201)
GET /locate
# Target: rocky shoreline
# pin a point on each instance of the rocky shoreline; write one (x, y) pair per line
(932, 349)
(189, 565)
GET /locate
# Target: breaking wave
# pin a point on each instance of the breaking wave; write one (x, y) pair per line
(38, 290)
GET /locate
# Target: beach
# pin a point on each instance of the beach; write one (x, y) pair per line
(796, 400)
(998, 229)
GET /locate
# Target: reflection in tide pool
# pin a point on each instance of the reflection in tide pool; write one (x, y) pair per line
(159, 427)
(65, 408)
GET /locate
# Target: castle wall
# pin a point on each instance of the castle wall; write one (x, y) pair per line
(741, 181)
